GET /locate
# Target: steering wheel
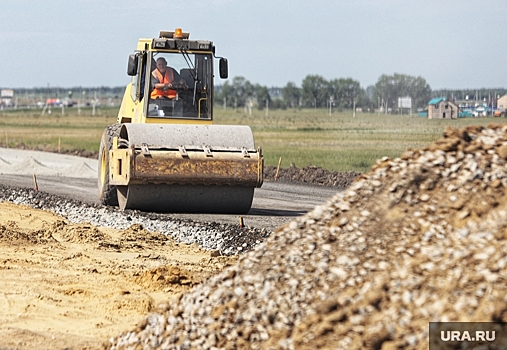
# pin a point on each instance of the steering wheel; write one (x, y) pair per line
(179, 86)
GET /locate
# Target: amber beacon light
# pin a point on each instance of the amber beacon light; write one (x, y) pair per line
(178, 33)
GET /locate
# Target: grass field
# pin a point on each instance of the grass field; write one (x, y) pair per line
(303, 137)
(339, 141)
(43, 131)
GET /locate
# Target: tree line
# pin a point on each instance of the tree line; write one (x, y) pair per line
(317, 92)
(314, 92)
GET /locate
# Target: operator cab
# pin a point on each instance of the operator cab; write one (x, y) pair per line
(188, 94)
(184, 89)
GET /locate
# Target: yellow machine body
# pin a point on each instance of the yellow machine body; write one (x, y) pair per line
(164, 154)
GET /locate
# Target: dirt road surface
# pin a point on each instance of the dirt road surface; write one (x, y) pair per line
(74, 285)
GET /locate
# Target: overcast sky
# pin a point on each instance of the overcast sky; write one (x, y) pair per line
(451, 43)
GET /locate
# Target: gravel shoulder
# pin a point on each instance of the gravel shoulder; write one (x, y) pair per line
(274, 204)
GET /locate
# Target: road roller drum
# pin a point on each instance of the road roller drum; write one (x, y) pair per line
(185, 168)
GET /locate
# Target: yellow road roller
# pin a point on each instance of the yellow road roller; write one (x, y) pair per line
(164, 154)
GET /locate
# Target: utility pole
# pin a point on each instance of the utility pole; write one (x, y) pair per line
(94, 102)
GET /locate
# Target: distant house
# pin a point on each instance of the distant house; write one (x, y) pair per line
(440, 108)
(501, 103)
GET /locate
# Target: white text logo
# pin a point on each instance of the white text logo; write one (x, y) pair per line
(466, 335)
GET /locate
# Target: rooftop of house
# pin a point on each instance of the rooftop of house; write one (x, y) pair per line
(437, 100)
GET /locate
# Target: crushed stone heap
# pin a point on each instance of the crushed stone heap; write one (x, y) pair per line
(417, 239)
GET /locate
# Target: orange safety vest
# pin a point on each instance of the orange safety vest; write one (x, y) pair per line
(166, 79)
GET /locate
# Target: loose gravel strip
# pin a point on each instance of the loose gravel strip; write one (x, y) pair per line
(225, 238)
(417, 239)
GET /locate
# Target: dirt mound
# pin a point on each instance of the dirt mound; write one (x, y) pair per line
(417, 239)
(168, 277)
(137, 233)
(77, 233)
(12, 234)
(181, 277)
(125, 303)
(311, 175)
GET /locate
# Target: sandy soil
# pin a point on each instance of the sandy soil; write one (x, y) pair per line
(74, 286)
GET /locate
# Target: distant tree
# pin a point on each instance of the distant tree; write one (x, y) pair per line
(227, 93)
(346, 92)
(277, 103)
(420, 91)
(386, 90)
(291, 95)
(242, 91)
(315, 91)
(390, 87)
(262, 94)
(350, 93)
(335, 91)
(363, 100)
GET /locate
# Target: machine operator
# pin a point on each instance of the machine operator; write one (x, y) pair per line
(163, 79)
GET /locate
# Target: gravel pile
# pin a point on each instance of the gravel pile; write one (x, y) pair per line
(224, 239)
(417, 239)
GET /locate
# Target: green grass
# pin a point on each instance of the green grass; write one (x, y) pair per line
(75, 131)
(338, 142)
(304, 137)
